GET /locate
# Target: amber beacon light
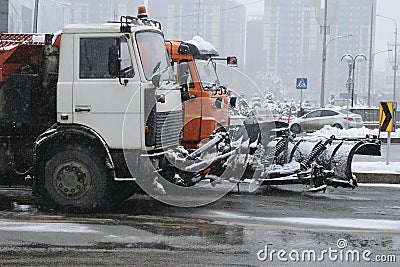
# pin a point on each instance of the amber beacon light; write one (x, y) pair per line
(142, 12)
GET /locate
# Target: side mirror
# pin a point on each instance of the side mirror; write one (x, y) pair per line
(183, 49)
(232, 61)
(218, 103)
(114, 64)
(156, 80)
(233, 101)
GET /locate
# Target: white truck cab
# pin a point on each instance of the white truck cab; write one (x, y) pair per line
(118, 111)
(114, 105)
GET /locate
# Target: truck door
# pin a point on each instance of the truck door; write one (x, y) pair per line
(193, 107)
(100, 100)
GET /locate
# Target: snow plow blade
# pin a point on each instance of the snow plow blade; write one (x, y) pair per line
(337, 157)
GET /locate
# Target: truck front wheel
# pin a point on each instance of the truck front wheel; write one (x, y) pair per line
(76, 178)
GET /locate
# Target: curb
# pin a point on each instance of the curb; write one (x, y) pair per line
(379, 178)
(392, 140)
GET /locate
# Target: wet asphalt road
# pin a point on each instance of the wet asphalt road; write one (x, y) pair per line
(233, 231)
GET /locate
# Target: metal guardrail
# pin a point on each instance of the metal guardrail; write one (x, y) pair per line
(370, 116)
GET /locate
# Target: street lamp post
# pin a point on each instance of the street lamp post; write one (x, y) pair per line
(394, 84)
(370, 79)
(322, 99)
(35, 16)
(371, 56)
(323, 75)
(351, 62)
(395, 55)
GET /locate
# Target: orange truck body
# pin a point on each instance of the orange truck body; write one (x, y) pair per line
(17, 50)
(207, 110)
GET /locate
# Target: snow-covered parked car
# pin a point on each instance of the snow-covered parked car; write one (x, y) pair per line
(317, 119)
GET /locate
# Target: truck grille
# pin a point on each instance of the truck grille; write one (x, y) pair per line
(169, 127)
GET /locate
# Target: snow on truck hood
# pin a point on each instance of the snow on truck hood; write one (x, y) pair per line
(204, 47)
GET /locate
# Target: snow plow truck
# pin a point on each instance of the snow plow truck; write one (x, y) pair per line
(74, 105)
(86, 111)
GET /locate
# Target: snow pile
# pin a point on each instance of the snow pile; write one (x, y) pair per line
(40, 38)
(56, 34)
(204, 47)
(328, 131)
(376, 167)
(379, 185)
(158, 187)
(47, 227)
(7, 48)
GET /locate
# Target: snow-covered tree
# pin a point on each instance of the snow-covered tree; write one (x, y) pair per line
(270, 83)
(332, 100)
(256, 102)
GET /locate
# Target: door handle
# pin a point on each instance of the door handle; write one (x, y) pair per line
(82, 109)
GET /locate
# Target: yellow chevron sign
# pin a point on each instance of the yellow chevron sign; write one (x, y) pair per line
(386, 120)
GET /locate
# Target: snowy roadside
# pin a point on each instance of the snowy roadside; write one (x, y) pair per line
(328, 131)
(376, 167)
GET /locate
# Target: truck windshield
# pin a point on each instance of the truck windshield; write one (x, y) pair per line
(207, 73)
(154, 55)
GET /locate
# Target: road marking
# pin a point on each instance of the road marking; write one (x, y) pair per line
(193, 222)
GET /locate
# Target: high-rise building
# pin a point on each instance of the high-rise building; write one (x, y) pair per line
(100, 11)
(355, 18)
(221, 22)
(19, 16)
(293, 43)
(97, 11)
(54, 15)
(4, 15)
(254, 46)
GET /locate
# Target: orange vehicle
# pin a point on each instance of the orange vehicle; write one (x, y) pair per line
(205, 98)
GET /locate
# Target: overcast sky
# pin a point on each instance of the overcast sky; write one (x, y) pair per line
(384, 28)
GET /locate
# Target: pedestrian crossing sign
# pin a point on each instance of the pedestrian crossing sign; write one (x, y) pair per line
(301, 83)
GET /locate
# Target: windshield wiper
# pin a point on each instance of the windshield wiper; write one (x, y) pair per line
(157, 67)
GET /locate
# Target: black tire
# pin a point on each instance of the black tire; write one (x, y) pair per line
(337, 125)
(76, 178)
(295, 128)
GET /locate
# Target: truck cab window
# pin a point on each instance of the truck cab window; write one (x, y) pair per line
(207, 73)
(93, 57)
(184, 76)
(154, 55)
(127, 70)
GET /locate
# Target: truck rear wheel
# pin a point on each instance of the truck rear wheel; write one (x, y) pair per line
(77, 178)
